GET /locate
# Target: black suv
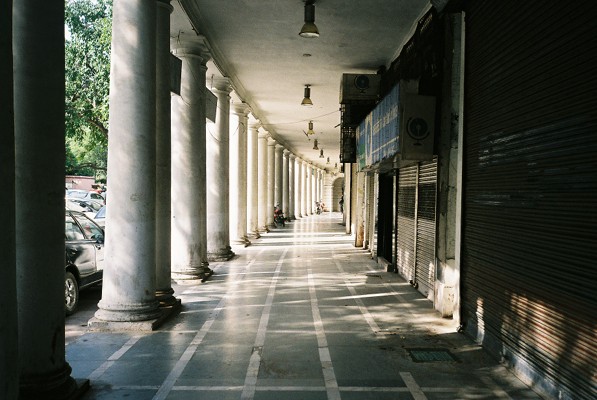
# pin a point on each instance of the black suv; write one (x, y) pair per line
(84, 257)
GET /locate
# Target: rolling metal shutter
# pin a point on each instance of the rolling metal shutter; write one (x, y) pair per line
(529, 290)
(407, 189)
(425, 254)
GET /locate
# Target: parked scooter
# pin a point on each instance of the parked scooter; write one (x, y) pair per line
(279, 216)
(319, 207)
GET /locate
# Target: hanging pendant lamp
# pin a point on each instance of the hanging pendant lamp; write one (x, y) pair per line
(307, 99)
(309, 29)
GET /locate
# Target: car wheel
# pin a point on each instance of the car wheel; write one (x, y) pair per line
(71, 293)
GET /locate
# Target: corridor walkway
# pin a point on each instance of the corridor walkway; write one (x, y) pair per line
(300, 314)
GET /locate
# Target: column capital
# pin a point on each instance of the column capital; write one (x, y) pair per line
(165, 4)
(292, 156)
(271, 141)
(263, 134)
(242, 109)
(254, 124)
(222, 85)
(187, 45)
(280, 148)
(286, 153)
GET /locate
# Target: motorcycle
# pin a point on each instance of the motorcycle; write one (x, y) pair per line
(279, 217)
(319, 207)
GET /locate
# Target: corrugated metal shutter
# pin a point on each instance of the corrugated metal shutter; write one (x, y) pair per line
(426, 196)
(407, 189)
(529, 290)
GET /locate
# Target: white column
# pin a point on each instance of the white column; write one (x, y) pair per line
(291, 186)
(271, 181)
(279, 175)
(164, 291)
(285, 182)
(38, 190)
(309, 190)
(303, 188)
(298, 184)
(253, 180)
(128, 291)
(263, 184)
(189, 229)
(317, 185)
(238, 174)
(217, 177)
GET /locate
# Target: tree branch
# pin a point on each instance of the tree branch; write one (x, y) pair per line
(99, 126)
(91, 165)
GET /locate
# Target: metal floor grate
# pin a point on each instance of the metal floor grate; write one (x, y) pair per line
(431, 355)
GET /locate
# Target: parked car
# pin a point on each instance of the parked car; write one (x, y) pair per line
(100, 217)
(79, 194)
(84, 257)
(87, 207)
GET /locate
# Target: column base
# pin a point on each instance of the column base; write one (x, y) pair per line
(57, 386)
(191, 275)
(97, 325)
(243, 241)
(141, 313)
(266, 229)
(165, 297)
(256, 234)
(224, 254)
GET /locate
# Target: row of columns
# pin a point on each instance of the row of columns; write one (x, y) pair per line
(169, 183)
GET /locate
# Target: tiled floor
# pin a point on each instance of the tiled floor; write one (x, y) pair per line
(297, 315)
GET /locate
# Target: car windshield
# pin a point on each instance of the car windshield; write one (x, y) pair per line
(74, 205)
(77, 194)
(94, 205)
(101, 213)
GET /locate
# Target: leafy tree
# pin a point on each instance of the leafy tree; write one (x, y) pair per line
(87, 81)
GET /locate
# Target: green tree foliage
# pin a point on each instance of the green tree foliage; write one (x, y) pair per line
(87, 81)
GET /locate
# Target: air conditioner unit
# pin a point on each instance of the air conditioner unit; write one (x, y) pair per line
(357, 88)
(417, 127)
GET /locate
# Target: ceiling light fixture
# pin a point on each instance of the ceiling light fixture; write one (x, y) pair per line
(315, 145)
(310, 131)
(307, 99)
(309, 30)
(321, 153)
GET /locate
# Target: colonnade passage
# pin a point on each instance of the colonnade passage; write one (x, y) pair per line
(300, 314)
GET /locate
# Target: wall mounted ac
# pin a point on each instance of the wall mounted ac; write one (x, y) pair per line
(356, 88)
(417, 128)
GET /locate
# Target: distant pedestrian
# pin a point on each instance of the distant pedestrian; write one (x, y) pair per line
(341, 204)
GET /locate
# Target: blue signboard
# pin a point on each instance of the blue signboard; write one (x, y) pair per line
(377, 135)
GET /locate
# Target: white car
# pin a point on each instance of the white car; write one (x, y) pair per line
(100, 217)
(78, 194)
(87, 207)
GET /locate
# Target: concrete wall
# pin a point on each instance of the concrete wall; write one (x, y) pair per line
(79, 182)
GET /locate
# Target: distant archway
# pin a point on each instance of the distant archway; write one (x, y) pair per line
(337, 190)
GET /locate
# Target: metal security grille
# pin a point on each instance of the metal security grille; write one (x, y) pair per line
(407, 188)
(530, 178)
(426, 197)
(416, 225)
